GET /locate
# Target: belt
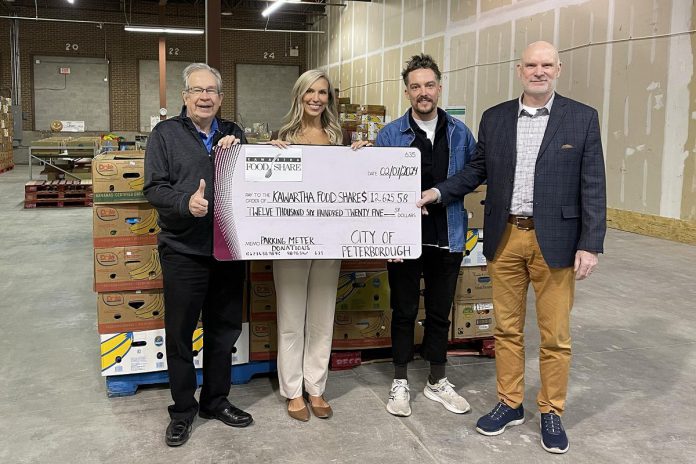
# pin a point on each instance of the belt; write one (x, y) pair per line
(522, 222)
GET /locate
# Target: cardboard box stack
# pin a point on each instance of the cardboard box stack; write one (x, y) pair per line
(362, 122)
(6, 133)
(473, 305)
(372, 120)
(362, 319)
(363, 315)
(128, 274)
(263, 332)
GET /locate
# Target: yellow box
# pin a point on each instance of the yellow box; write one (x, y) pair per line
(362, 291)
(130, 311)
(473, 283)
(475, 203)
(124, 224)
(362, 329)
(473, 319)
(261, 267)
(263, 340)
(119, 177)
(145, 351)
(127, 268)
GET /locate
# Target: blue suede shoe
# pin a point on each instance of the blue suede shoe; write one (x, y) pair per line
(501, 416)
(553, 436)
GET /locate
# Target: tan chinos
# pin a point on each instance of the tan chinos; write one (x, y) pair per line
(518, 261)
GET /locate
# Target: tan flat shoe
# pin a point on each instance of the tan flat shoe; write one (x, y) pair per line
(300, 415)
(321, 412)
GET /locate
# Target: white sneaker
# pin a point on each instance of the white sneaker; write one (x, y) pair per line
(442, 392)
(399, 398)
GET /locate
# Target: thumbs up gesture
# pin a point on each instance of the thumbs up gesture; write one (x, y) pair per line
(198, 205)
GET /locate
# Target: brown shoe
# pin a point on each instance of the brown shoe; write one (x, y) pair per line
(300, 415)
(321, 412)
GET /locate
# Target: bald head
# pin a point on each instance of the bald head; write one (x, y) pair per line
(538, 70)
(540, 46)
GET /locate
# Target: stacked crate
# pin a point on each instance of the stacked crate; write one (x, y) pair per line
(362, 312)
(263, 332)
(372, 120)
(127, 271)
(473, 305)
(349, 119)
(6, 134)
(57, 193)
(362, 122)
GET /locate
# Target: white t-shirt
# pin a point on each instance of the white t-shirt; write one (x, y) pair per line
(428, 127)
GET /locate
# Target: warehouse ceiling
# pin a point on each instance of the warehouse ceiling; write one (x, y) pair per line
(235, 13)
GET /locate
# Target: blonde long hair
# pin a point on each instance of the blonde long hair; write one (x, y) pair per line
(329, 117)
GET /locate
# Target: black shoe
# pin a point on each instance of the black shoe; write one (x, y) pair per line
(178, 432)
(230, 415)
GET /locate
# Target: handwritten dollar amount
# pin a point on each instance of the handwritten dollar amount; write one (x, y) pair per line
(305, 196)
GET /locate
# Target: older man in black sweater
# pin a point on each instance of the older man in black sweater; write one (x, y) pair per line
(179, 183)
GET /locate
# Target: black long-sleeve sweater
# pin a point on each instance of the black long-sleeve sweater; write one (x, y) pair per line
(176, 159)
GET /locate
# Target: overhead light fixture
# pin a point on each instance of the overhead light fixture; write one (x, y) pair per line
(275, 5)
(164, 30)
(71, 1)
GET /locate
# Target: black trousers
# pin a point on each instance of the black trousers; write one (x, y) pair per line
(440, 270)
(193, 284)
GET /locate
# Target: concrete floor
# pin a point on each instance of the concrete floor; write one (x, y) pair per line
(631, 398)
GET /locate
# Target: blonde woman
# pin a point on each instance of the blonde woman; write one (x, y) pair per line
(306, 289)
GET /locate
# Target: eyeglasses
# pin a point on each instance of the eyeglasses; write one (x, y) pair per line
(197, 91)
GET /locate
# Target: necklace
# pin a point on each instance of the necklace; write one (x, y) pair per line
(316, 137)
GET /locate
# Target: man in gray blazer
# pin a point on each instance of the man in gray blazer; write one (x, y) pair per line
(544, 223)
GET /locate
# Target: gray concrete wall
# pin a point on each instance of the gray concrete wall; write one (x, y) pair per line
(82, 95)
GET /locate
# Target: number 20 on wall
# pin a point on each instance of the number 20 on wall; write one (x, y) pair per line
(71, 46)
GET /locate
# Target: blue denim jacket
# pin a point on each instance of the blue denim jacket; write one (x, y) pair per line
(462, 145)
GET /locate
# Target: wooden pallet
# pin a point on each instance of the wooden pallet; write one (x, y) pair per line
(52, 203)
(62, 185)
(7, 168)
(57, 193)
(347, 359)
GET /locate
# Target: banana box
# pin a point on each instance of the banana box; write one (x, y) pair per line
(362, 291)
(473, 248)
(473, 319)
(473, 283)
(262, 299)
(127, 268)
(263, 340)
(362, 329)
(145, 351)
(474, 204)
(124, 224)
(261, 268)
(119, 177)
(130, 311)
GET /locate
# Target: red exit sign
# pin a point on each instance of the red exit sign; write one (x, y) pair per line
(64, 70)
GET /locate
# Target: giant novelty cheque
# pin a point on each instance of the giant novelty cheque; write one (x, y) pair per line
(316, 202)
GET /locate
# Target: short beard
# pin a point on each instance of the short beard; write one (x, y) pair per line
(418, 111)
